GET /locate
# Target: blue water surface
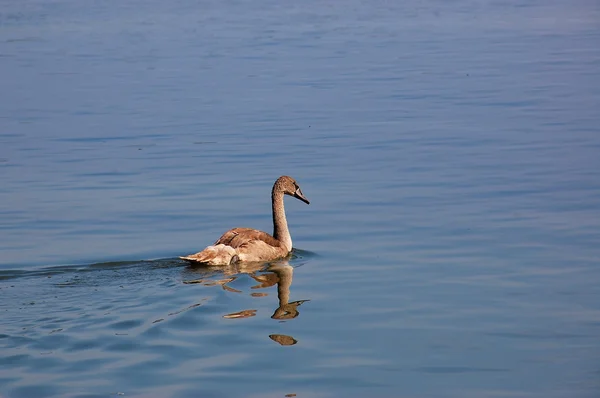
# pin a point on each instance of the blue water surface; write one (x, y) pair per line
(450, 151)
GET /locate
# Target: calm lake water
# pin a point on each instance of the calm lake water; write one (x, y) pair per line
(450, 150)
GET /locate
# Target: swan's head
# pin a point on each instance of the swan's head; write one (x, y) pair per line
(289, 186)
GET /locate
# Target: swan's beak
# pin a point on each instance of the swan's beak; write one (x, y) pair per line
(299, 195)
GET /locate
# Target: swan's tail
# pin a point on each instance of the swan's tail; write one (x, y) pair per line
(213, 255)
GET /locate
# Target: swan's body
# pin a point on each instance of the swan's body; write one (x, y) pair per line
(246, 244)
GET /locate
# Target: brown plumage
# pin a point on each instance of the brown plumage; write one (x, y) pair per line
(246, 244)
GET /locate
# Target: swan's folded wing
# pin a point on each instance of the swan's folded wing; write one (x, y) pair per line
(237, 237)
(226, 238)
(259, 250)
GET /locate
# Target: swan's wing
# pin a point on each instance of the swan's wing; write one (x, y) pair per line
(259, 250)
(228, 236)
(238, 237)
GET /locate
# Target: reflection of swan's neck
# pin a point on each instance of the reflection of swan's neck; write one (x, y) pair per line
(285, 275)
(280, 227)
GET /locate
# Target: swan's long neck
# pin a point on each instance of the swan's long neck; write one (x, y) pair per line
(280, 226)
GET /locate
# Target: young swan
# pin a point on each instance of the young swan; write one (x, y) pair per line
(247, 244)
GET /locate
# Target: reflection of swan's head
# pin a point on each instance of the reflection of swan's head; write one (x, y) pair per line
(288, 311)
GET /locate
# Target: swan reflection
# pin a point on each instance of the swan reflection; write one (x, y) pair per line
(280, 274)
(277, 273)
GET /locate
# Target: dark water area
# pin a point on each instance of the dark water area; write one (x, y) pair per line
(449, 150)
